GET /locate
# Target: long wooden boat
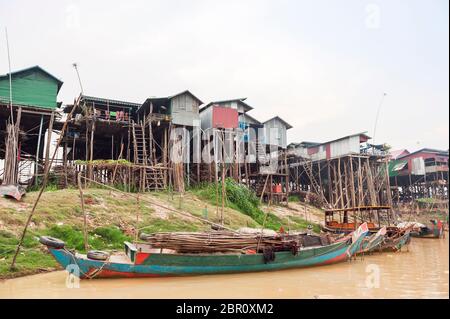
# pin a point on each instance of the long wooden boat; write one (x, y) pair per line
(370, 243)
(374, 241)
(141, 260)
(346, 228)
(396, 239)
(435, 230)
(348, 222)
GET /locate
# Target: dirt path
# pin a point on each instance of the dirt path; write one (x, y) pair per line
(300, 210)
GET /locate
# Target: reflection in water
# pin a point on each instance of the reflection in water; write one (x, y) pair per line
(422, 272)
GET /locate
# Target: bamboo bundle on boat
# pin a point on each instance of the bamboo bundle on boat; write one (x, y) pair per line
(221, 241)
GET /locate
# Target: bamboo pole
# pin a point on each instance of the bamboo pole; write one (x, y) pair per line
(36, 167)
(136, 233)
(224, 169)
(264, 189)
(85, 234)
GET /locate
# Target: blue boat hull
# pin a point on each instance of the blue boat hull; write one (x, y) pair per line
(155, 265)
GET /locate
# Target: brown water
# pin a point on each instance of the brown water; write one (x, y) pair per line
(421, 272)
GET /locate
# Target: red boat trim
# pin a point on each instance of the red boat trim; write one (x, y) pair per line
(106, 273)
(140, 258)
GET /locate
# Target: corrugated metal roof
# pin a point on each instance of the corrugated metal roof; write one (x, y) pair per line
(396, 166)
(395, 154)
(162, 99)
(427, 150)
(315, 144)
(34, 68)
(288, 126)
(303, 144)
(105, 101)
(184, 92)
(252, 118)
(240, 101)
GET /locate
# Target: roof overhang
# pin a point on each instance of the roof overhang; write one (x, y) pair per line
(288, 126)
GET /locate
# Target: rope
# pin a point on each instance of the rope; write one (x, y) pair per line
(87, 275)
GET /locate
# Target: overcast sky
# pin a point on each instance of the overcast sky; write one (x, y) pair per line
(320, 65)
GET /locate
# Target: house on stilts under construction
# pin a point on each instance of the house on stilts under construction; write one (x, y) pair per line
(349, 176)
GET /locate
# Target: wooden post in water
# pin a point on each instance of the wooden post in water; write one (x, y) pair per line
(136, 232)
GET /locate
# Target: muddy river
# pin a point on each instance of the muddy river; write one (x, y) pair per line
(421, 272)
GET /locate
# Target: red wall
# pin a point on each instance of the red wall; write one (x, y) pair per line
(224, 117)
(328, 150)
(312, 150)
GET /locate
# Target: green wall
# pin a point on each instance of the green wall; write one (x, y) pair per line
(32, 88)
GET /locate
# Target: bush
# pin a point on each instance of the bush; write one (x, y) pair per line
(241, 198)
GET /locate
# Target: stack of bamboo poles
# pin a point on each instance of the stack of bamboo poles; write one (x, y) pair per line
(10, 169)
(220, 241)
(178, 166)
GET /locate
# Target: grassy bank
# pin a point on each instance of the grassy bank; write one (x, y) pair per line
(114, 217)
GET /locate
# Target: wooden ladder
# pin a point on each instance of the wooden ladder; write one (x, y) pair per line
(140, 150)
(155, 178)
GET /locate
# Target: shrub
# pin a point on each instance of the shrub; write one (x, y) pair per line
(241, 198)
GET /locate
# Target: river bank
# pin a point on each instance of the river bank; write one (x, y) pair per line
(113, 218)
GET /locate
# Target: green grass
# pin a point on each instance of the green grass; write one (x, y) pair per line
(113, 219)
(28, 262)
(161, 225)
(32, 255)
(100, 238)
(240, 198)
(30, 259)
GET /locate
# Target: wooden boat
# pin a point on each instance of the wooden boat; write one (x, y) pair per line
(374, 241)
(370, 243)
(435, 230)
(344, 224)
(142, 260)
(395, 239)
(346, 228)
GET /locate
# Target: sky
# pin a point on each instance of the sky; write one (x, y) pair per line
(322, 66)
